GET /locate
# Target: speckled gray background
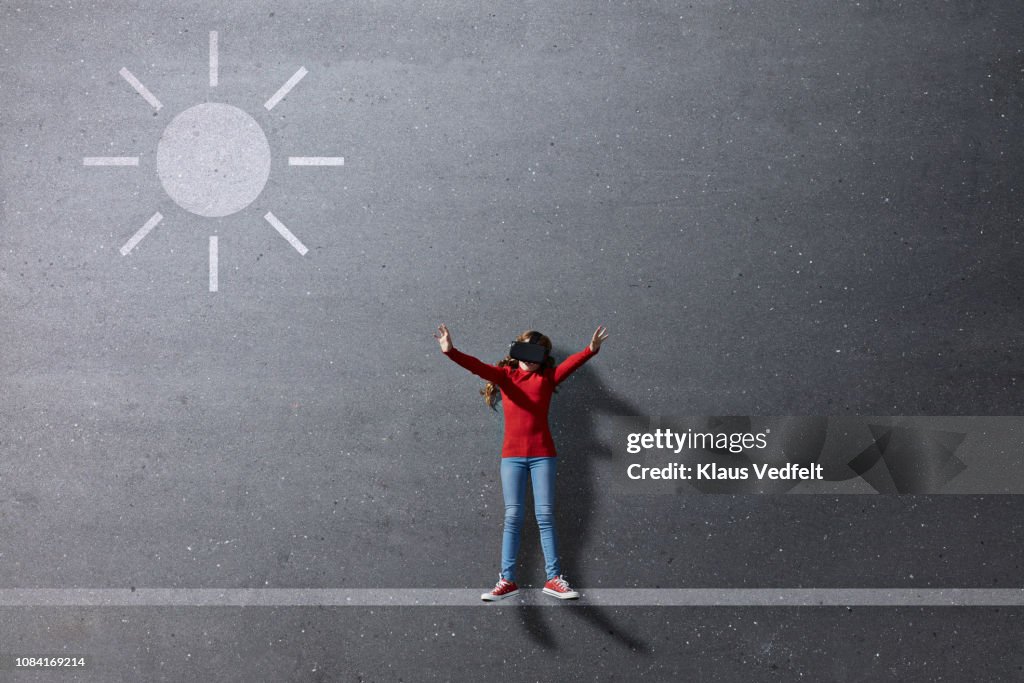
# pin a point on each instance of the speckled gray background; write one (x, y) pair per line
(776, 208)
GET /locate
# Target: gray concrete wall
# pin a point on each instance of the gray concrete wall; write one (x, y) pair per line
(775, 208)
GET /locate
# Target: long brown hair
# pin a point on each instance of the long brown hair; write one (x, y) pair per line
(490, 391)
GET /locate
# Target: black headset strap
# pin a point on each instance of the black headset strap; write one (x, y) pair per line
(534, 338)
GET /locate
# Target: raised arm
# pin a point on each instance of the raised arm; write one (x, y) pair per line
(573, 362)
(491, 373)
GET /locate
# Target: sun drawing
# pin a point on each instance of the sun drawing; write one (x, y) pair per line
(213, 160)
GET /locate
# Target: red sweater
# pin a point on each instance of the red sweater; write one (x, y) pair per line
(525, 398)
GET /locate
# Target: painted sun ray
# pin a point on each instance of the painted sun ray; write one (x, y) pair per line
(213, 263)
(110, 161)
(142, 232)
(213, 59)
(316, 161)
(286, 88)
(286, 233)
(141, 89)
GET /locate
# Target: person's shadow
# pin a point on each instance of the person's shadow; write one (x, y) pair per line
(580, 399)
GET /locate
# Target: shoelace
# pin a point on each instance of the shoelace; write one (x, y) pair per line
(561, 583)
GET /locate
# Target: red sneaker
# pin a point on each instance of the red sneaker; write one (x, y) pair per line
(559, 588)
(501, 590)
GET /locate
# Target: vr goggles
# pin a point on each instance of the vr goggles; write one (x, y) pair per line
(529, 351)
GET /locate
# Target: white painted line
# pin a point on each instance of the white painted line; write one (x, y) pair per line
(279, 95)
(464, 597)
(213, 263)
(141, 89)
(143, 231)
(316, 161)
(110, 161)
(286, 233)
(213, 59)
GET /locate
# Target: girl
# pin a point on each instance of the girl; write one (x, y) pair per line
(527, 451)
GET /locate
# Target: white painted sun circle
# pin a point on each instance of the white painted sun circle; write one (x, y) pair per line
(213, 159)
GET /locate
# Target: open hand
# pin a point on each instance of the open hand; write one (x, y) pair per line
(444, 339)
(600, 334)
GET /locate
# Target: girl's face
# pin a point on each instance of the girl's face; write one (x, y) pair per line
(529, 367)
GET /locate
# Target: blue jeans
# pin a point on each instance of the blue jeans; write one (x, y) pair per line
(514, 473)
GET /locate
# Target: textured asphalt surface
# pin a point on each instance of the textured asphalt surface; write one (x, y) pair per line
(795, 208)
